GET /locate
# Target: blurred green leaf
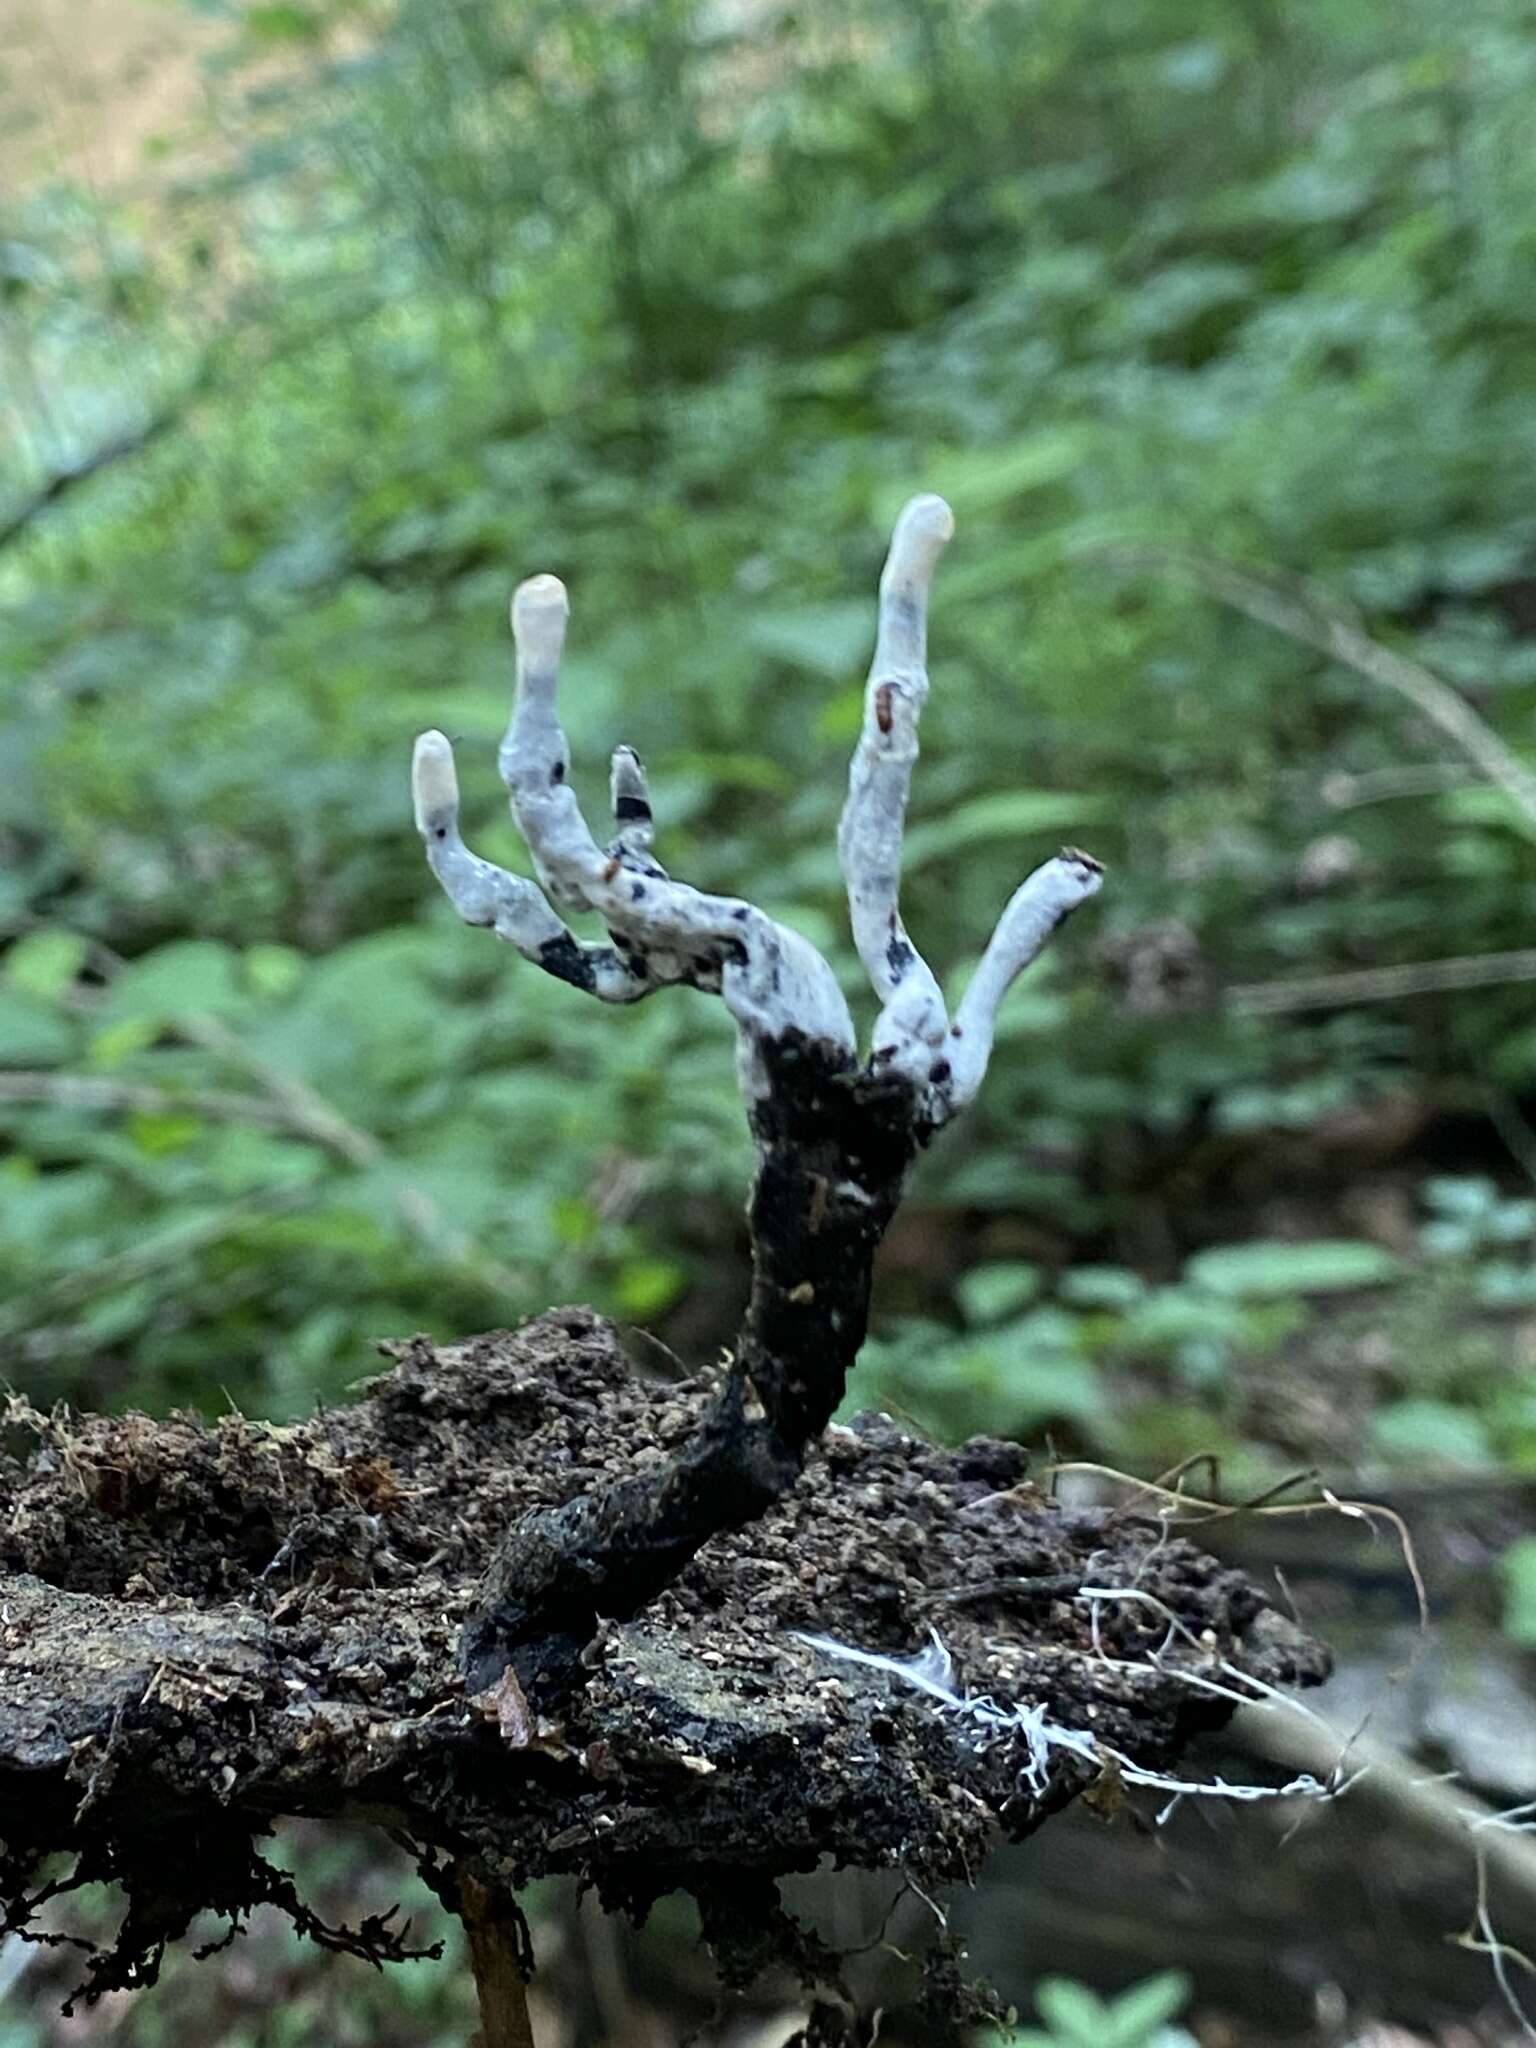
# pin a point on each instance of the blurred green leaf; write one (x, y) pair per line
(45, 964)
(1010, 815)
(986, 478)
(273, 970)
(690, 352)
(1429, 1432)
(986, 1294)
(275, 21)
(827, 639)
(1265, 1272)
(645, 1287)
(1073, 2012)
(1106, 1287)
(32, 1033)
(179, 980)
(1517, 1569)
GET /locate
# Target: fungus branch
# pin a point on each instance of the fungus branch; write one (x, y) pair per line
(836, 1137)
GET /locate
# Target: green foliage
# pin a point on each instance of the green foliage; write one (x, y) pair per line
(1076, 2017)
(1517, 1568)
(681, 308)
(1272, 1272)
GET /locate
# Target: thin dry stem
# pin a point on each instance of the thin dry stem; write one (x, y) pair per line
(1305, 615)
(497, 1944)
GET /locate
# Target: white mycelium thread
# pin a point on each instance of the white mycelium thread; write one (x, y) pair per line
(1039, 1741)
(911, 1024)
(663, 932)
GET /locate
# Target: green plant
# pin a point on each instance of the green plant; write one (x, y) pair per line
(1076, 2017)
(1517, 1568)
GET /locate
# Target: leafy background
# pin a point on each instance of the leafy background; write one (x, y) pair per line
(681, 303)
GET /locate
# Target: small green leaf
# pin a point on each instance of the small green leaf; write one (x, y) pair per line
(839, 718)
(273, 970)
(1138, 2015)
(827, 639)
(645, 1287)
(1102, 1287)
(32, 1032)
(1006, 814)
(184, 979)
(1040, 1384)
(159, 1132)
(978, 479)
(574, 1220)
(1467, 1196)
(114, 1043)
(347, 1232)
(1267, 1271)
(1073, 2012)
(1517, 1569)
(276, 22)
(989, 1293)
(1171, 1317)
(1429, 1432)
(45, 964)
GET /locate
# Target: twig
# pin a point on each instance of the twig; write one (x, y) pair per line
(1380, 984)
(1307, 616)
(287, 1105)
(1426, 1804)
(1196, 1512)
(95, 1092)
(498, 1950)
(1346, 789)
(59, 485)
(310, 1115)
(147, 1257)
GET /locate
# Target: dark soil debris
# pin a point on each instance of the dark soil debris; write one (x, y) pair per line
(215, 1624)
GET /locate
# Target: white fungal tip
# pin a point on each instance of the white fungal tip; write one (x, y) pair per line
(540, 609)
(1082, 875)
(537, 592)
(434, 782)
(928, 514)
(917, 540)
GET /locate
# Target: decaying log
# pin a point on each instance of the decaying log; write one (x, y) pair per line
(204, 1627)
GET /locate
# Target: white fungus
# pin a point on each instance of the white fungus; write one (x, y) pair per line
(662, 932)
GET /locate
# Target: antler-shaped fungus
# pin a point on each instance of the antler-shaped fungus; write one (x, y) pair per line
(836, 1138)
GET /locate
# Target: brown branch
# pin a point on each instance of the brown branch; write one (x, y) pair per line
(499, 1955)
(1380, 984)
(1305, 616)
(64, 481)
(1414, 1799)
(101, 1093)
